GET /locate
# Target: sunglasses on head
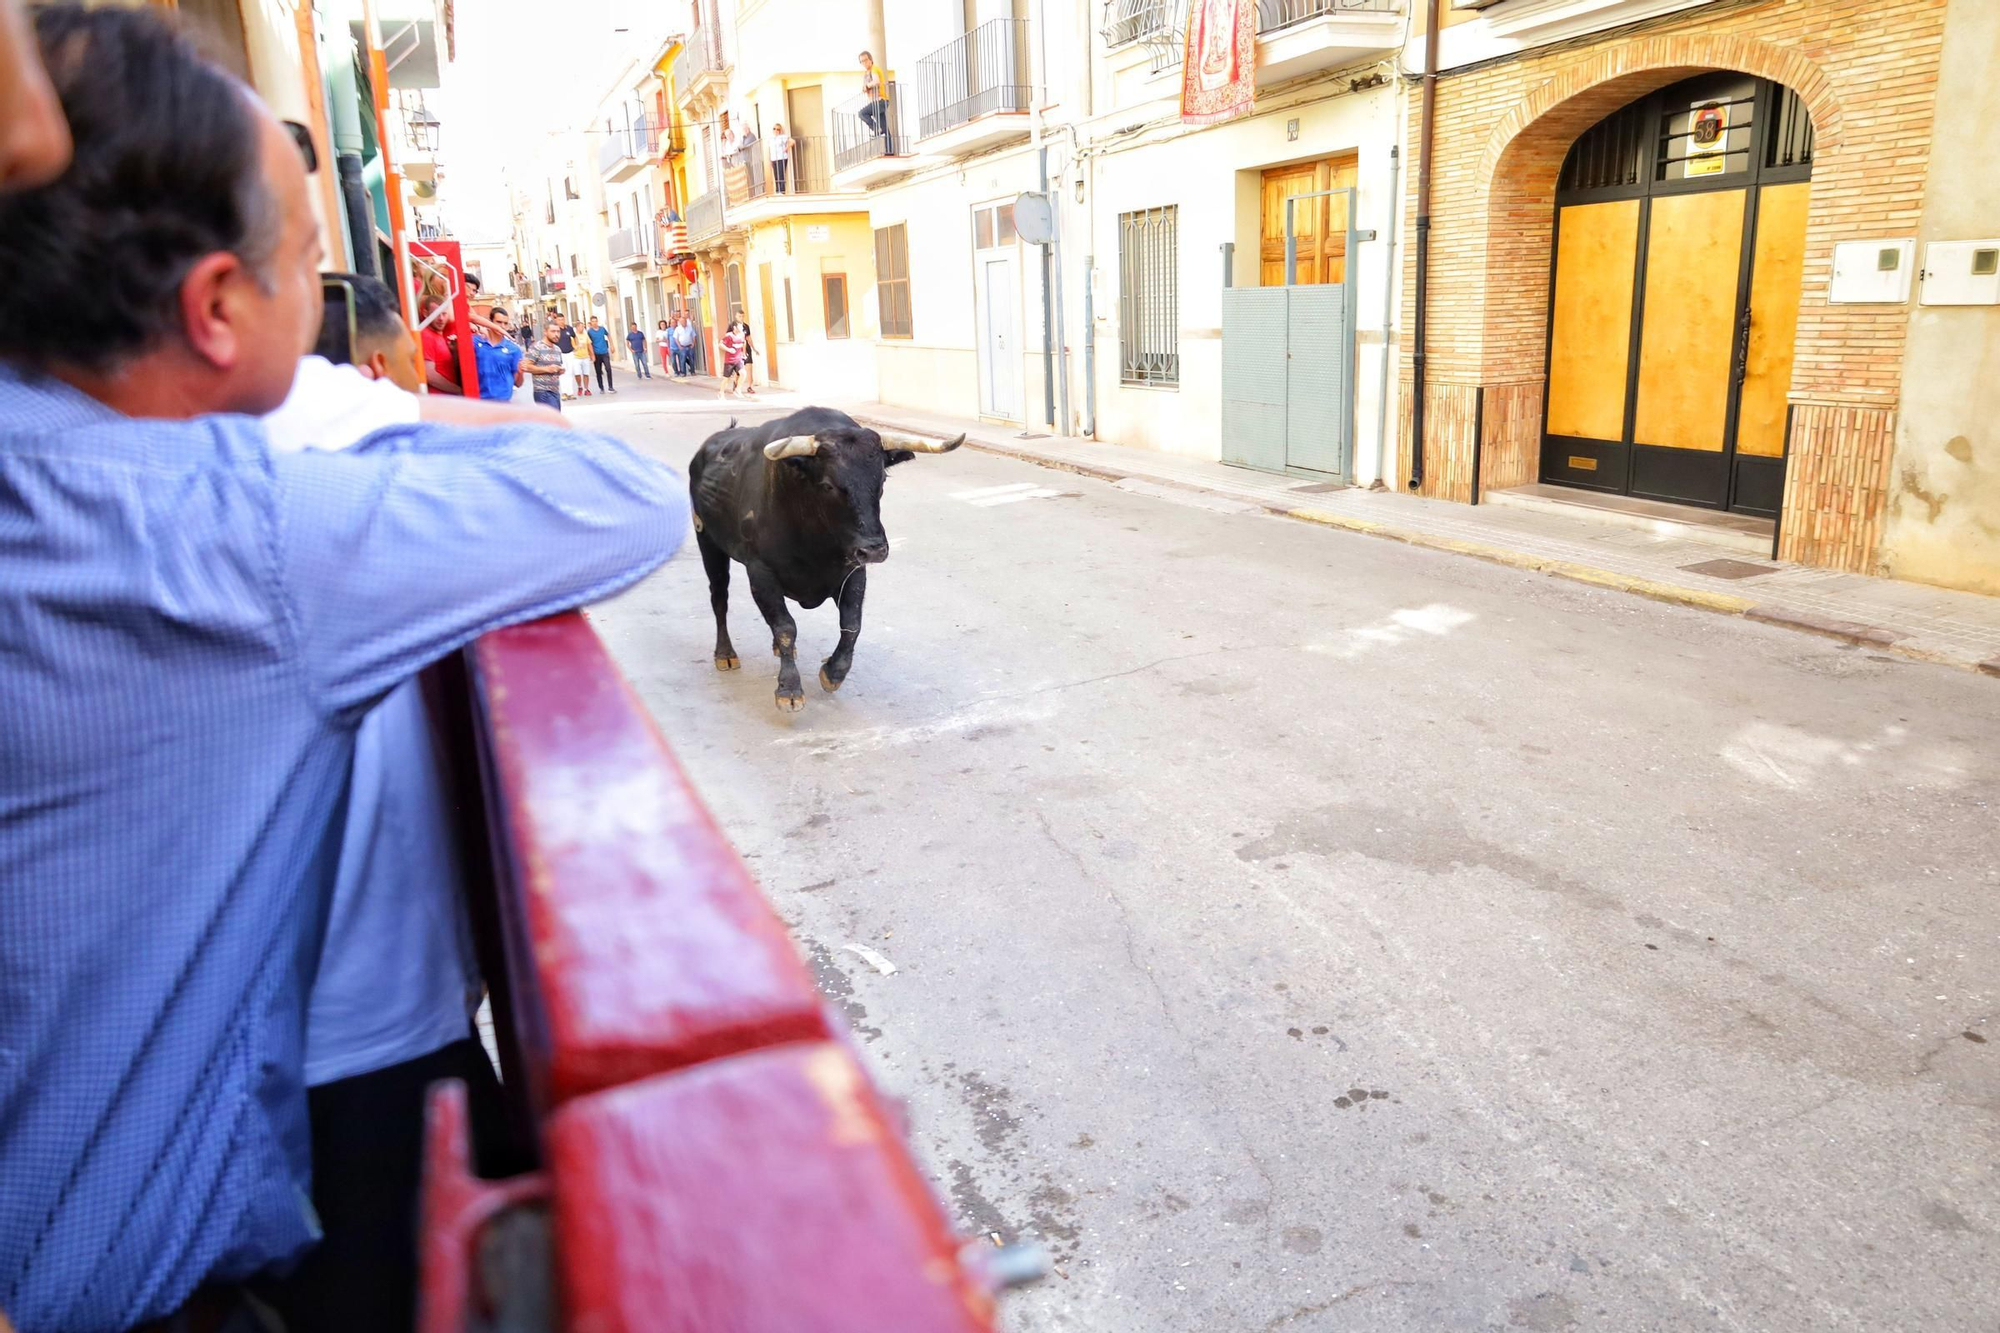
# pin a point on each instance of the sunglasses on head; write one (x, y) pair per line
(304, 139)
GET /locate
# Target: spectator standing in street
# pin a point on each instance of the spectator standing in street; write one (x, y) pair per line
(684, 358)
(875, 111)
(499, 359)
(783, 149)
(571, 344)
(636, 340)
(600, 354)
(663, 341)
(441, 371)
(732, 361)
(192, 629)
(544, 361)
(742, 327)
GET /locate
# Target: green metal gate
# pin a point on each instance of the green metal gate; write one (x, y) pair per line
(1287, 379)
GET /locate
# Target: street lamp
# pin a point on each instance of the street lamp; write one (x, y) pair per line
(424, 130)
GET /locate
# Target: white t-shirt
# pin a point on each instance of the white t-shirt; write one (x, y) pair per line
(396, 978)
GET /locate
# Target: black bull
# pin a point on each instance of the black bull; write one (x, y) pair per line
(798, 501)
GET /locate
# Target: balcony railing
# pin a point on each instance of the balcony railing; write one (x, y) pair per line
(627, 243)
(809, 170)
(700, 54)
(982, 72)
(1126, 21)
(703, 217)
(636, 144)
(881, 134)
(744, 178)
(1275, 14)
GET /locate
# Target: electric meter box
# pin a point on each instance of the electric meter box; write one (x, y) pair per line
(1961, 273)
(1872, 272)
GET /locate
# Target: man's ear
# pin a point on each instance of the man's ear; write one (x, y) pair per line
(891, 457)
(208, 308)
(376, 367)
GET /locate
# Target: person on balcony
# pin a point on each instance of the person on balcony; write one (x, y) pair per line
(875, 111)
(783, 148)
(192, 630)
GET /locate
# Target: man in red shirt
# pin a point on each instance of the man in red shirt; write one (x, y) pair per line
(440, 359)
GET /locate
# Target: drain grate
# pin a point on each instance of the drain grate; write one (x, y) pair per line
(1317, 487)
(1730, 569)
(1032, 435)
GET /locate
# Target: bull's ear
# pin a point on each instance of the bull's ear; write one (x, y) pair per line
(891, 457)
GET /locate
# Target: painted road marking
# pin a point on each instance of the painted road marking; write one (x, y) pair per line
(985, 491)
(1039, 493)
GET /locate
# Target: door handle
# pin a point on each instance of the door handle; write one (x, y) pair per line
(1741, 370)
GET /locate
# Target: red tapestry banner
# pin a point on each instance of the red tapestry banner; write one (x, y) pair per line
(1219, 68)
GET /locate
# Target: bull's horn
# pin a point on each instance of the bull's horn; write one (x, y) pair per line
(892, 440)
(792, 446)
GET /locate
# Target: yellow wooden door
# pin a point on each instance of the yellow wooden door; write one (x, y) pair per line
(1777, 263)
(1319, 226)
(1590, 333)
(770, 347)
(1687, 338)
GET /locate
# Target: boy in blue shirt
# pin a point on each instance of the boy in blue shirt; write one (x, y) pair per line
(600, 355)
(499, 359)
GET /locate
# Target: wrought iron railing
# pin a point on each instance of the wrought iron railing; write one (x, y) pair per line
(1126, 21)
(1275, 14)
(980, 73)
(704, 216)
(881, 133)
(808, 170)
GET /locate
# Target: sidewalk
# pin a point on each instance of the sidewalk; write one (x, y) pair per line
(1913, 620)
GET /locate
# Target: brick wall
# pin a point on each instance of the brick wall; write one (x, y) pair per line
(1867, 70)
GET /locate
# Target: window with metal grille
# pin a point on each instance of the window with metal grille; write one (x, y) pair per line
(1149, 340)
(892, 281)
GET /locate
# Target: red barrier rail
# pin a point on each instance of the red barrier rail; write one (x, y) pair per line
(696, 1143)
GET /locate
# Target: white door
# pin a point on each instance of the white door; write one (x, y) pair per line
(999, 345)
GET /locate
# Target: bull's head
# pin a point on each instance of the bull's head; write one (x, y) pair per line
(842, 470)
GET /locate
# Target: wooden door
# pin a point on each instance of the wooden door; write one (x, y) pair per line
(1319, 225)
(812, 160)
(1777, 269)
(769, 340)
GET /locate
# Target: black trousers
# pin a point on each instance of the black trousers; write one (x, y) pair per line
(367, 1155)
(602, 360)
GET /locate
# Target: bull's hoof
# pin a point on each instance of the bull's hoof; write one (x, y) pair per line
(727, 663)
(826, 682)
(790, 703)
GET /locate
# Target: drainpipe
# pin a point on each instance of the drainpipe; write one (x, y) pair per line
(1040, 94)
(1089, 347)
(1384, 460)
(1418, 355)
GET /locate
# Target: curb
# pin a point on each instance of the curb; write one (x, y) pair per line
(1722, 603)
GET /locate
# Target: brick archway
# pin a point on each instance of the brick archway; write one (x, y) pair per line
(1522, 156)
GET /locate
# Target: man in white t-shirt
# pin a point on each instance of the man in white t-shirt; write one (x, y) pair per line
(392, 1004)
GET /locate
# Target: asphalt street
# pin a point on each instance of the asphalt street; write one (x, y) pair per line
(1301, 931)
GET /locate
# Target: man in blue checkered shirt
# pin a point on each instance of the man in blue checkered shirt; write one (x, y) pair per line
(192, 627)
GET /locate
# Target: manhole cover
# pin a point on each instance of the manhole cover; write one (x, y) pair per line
(1730, 569)
(1316, 487)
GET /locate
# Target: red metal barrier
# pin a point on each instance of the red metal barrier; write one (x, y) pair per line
(714, 1154)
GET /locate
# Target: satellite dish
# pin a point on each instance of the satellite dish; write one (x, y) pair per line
(1034, 218)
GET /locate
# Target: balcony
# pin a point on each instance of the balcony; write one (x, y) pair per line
(874, 149)
(627, 152)
(628, 248)
(756, 193)
(974, 92)
(704, 217)
(700, 65)
(1300, 37)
